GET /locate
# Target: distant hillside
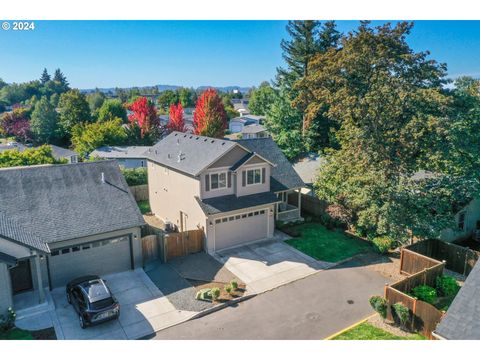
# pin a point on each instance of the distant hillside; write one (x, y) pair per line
(171, 87)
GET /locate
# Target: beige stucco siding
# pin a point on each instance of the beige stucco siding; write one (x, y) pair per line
(253, 189)
(472, 215)
(172, 192)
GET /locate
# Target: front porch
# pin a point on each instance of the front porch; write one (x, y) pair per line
(288, 210)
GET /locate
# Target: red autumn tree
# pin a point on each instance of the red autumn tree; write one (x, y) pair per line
(176, 121)
(144, 122)
(210, 118)
(16, 124)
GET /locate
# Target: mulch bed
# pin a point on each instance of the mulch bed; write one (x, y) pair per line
(45, 334)
(224, 296)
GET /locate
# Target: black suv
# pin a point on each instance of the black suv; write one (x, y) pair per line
(93, 300)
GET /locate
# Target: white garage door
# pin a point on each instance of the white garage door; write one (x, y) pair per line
(237, 230)
(96, 258)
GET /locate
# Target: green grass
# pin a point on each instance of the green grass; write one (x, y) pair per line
(326, 245)
(366, 331)
(144, 206)
(16, 334)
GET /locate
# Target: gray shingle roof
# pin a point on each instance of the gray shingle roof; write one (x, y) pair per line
(59, 152)
(253, 129)
(12, 230)
(196, 152)
(228, 203)
(120, 152)
(462, 320)
(308, 168)
(62, 202)
(283, 176)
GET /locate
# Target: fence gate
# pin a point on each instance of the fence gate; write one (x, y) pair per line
(150, 249)
(183, 243)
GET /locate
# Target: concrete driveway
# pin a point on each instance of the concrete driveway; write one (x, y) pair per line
(144, 310)
(265, 265)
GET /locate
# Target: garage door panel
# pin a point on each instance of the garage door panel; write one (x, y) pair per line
(97, 258)
(240, 231)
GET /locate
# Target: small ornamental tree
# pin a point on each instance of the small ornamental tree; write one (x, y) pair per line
(16, 124)
(176, 121)
(210, 118)
(144, 117)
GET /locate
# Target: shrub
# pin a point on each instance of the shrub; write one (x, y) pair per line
(204, 294)
(425, 293)
(7, 321)
(228, 288)
(447, 286)
(134, 177)
(215, 292)
(379, 304)
(383, 244)
(402, 313)
(234, 284)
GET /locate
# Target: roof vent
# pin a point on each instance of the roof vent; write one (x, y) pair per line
(223, 143)
(212, 141)
(169, 156)
(155, 152)
(180, 157)
(103, 178)
(178, 141)
(205, 139)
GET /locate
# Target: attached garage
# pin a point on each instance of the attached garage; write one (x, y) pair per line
(238, 229)
(95, 258)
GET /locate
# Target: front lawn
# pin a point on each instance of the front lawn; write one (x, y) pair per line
(144, 206)
(322, 244)
(16, 334)
(366, 331)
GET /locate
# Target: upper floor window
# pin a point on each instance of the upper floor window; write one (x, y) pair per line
(254, 176)
(218, 180)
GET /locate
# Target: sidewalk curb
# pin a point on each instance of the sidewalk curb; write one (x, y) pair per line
(222, 306)
(349, 327)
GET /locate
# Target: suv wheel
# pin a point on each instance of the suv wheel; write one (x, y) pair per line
(82, 322)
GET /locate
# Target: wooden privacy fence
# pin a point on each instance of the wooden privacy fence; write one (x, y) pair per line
(139, 192)
(182, 243)
(424, 317)
(312, 205)
(458, 258)
(412, 262)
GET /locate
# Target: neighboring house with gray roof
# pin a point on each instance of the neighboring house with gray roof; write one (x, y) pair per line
(308, 168)
(59, 222)
(58, 152)
(462, 320)
(127, 156)
(232, 190)
(254, 131)
(236, 125)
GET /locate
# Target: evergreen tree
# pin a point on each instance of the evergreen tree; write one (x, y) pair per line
(44, 122)
(60, 80)
(45, 77)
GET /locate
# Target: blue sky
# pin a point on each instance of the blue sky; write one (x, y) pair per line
(192, 53)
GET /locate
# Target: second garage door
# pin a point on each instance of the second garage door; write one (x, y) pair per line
(96, 258)
(239, 229)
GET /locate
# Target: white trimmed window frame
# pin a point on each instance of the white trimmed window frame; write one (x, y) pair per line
(218, 174)
(259, 169)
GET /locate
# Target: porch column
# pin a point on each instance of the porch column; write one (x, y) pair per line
(41, 291)
(276, 211)
(299, 202)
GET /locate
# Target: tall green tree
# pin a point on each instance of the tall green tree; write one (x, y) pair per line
(111, 109)
(86, 137)
(167, 98)
(45, 77)
(390, 107)
(73, 109)
(95, 101)
(261, 99)
(44, 122)
(35, 156)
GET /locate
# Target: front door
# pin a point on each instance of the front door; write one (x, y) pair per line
(21, 276)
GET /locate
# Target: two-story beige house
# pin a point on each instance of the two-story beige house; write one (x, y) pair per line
(233, 190)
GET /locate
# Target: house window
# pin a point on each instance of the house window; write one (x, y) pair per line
(218, 180)
(254, 176)
(461, 221)
(74, 159)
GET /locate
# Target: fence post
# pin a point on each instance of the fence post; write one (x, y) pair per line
(164, 238)
(401, 261)
(414, 311)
